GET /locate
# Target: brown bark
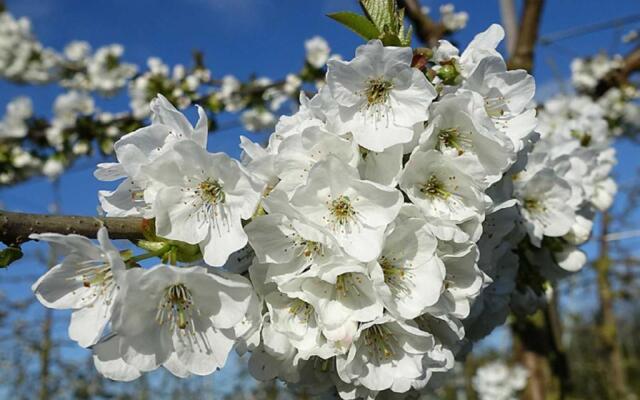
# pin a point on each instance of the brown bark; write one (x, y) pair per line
(522, 57)
(15, 228)
(606, 322)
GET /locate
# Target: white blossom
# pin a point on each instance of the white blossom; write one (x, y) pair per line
(201, 198)
(498, 381)
(87, 281)
(355, 211)
(380, 97)
(13, 124)
(181, 318)
(317, 51)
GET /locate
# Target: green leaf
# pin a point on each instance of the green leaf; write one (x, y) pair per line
(406, 41)
(389, 39)
(9, 255)
(357, 23)
(381, 13)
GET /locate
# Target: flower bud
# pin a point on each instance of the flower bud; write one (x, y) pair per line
(448, 73)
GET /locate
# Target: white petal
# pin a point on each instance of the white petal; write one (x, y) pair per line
(109, 363)
(88, 323)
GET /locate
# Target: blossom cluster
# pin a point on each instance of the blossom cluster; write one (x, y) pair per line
(586, 73)
(102, 71)
(22, 56)
(499, 381)
(619, 104)
(135, 320)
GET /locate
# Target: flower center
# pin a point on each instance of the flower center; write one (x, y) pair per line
(311, 248)
(532, 205)
(583, 137)
(211, 191)
(381, 342)
(98, 276)
(434, 187)
(363, 152)
(377, 91)
(301, 309)
(495, 106)
(175, 308)
(453, 138)
(342, 210)
(346, 284)
(394, 277)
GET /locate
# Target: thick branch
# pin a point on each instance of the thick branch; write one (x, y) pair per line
(620, 76)
(15, 228)
(428, 31)
(522, 57)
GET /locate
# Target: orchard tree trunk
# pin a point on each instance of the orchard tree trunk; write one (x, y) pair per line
(606, 326)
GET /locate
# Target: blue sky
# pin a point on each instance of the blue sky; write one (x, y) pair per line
(243, 37)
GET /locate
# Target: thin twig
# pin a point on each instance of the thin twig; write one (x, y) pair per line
(582, 30)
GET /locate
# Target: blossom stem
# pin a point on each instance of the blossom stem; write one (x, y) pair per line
(151, 254)
(170, 256)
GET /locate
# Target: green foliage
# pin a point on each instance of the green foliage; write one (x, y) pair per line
(382, 20)
(9, 255)
(357, 23)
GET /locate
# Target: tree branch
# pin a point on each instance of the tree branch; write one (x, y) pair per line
(522, 57)
(15, 228)
(428, 31)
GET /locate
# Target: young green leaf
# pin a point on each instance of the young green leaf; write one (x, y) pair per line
(381, 13)
(357, 23)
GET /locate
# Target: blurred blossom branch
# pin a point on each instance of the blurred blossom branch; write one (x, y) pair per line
(620, 76)
(31, 145)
